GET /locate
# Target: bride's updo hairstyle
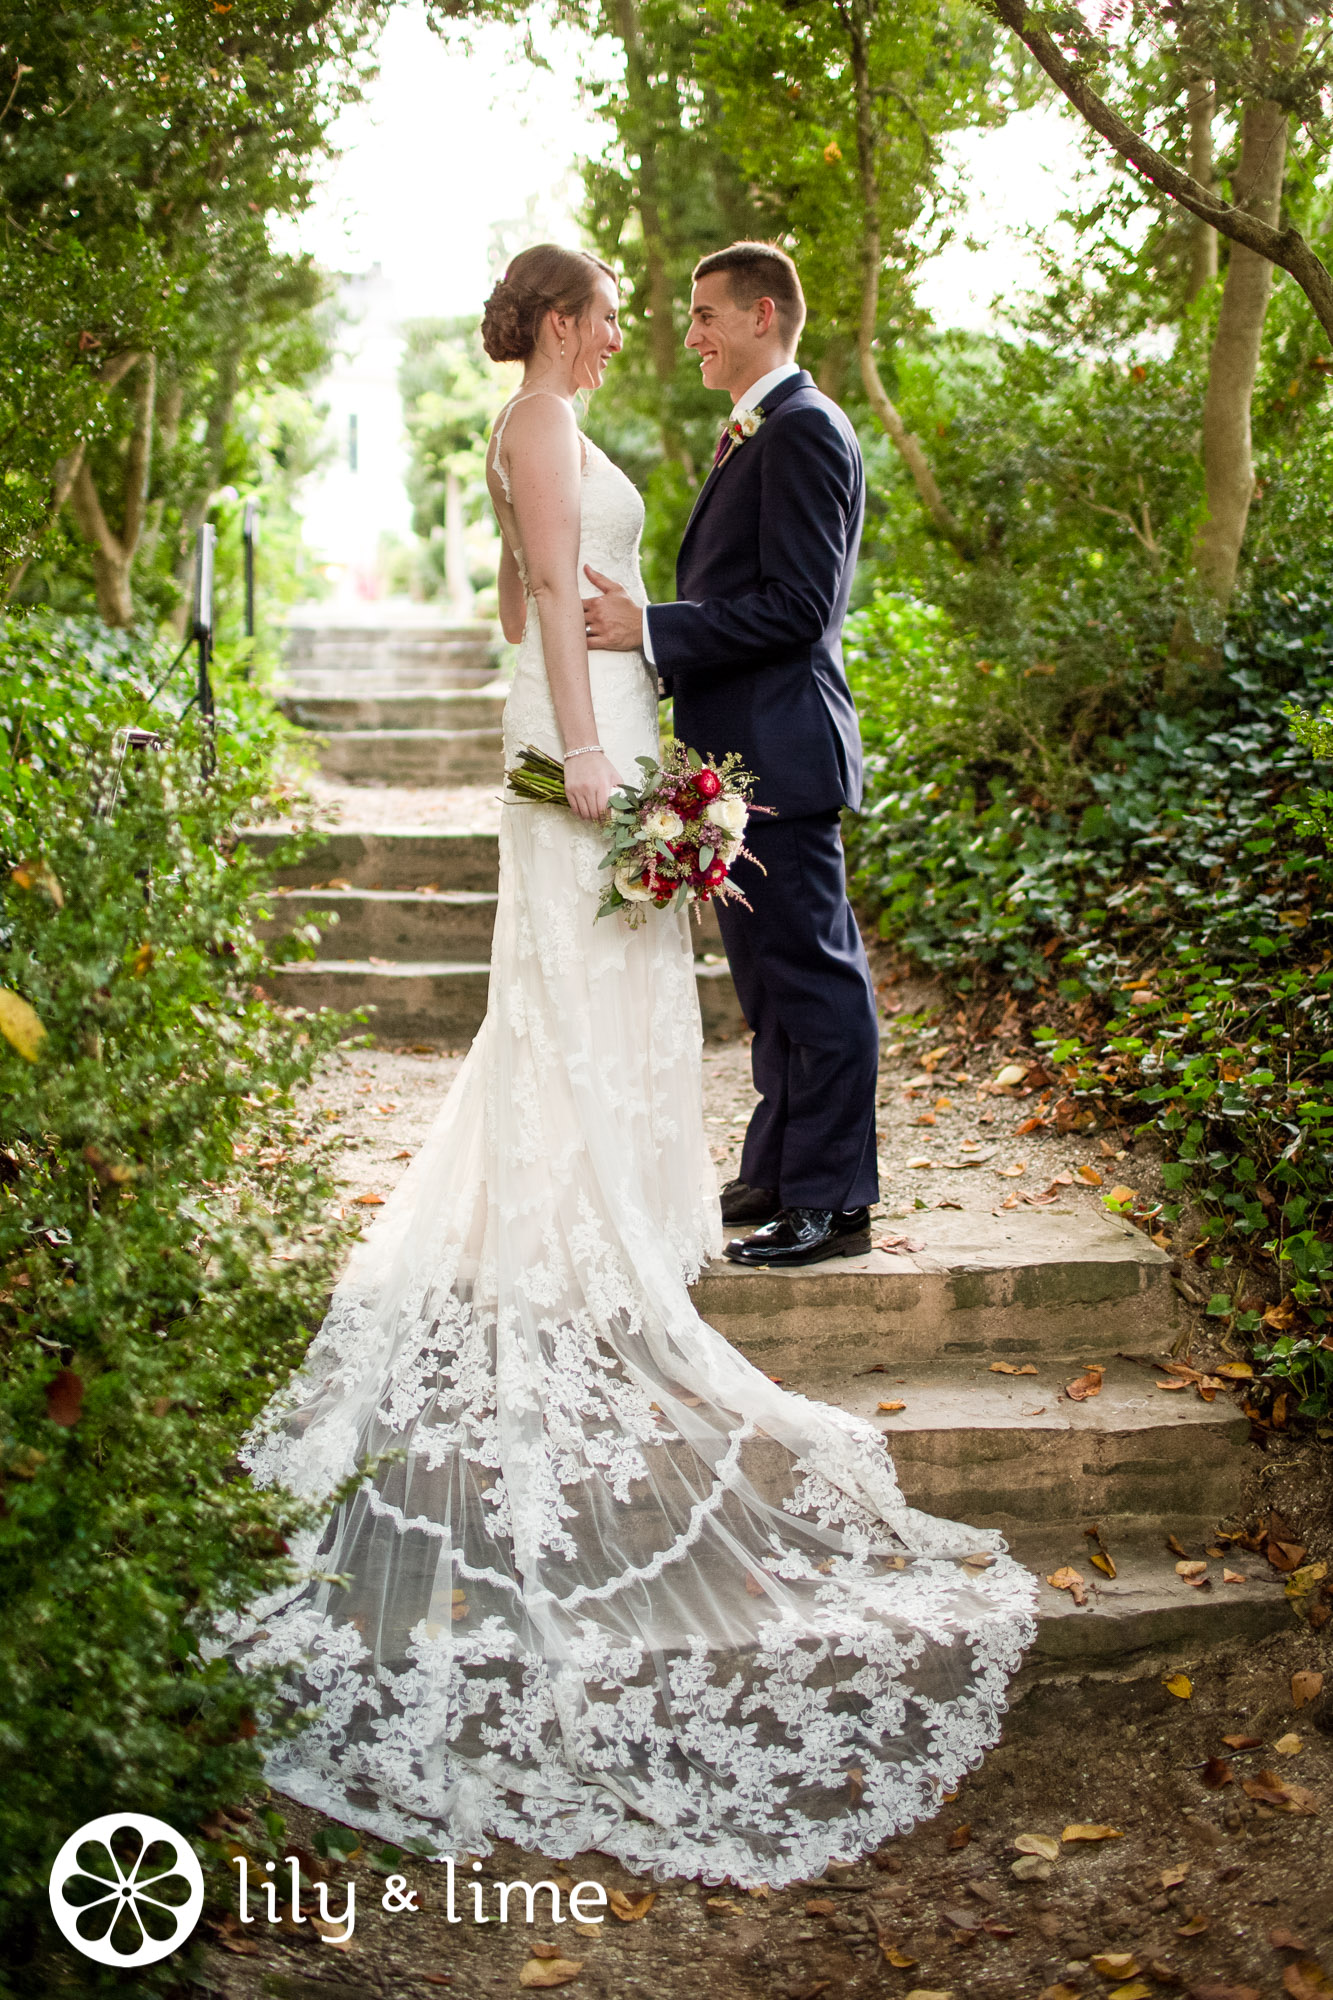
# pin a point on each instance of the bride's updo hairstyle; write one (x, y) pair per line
(541, 280)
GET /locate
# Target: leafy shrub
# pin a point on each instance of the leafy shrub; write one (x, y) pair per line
(1164, 922)
(161, 1254)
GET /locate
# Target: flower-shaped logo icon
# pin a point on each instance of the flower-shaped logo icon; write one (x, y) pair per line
(126, 1889)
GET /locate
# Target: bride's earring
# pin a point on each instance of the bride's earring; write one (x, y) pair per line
(562, 350)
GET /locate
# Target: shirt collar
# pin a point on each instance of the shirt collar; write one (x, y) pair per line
(757, 391)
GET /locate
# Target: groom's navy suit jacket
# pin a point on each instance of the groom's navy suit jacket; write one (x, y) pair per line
(752, 651)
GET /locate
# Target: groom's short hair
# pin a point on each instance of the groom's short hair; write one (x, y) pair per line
(760, 271)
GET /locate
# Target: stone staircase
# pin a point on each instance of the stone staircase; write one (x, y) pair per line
(1053, 1289)
(402, 709)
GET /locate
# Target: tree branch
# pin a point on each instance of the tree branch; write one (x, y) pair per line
(1284, 247)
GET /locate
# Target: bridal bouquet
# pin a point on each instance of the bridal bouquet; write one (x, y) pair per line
(673, 837)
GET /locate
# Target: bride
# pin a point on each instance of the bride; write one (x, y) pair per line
(604, 1584)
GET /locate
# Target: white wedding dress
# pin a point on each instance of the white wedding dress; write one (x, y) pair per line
(606, 1586)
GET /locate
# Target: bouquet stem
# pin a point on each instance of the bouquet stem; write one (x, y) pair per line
(539, 778)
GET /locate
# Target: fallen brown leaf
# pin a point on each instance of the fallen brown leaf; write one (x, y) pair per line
(630, 1909)
(895, 1957)
(1008, 1368)
(1089, 1176)
(1044, 1844)
(1267, 1789)
(1307, 1980)
(1285, 1556)
(1288, 1745)
(1216, 1773)
(1114, 1964)
(550, 1971)
(1305, 1685)
(1193, 1926)
(1234, 1576)
(1243, 1742)
(723, 1903)
(1081, 1832)
(1171, 1878)
(1188, 1569)
(1069, 1579)
(369, 1200)
(959, 1837)
(892, 1408)
(1282, 1940)
(818, 1906)
(1174, 1546)
(1089, 1383)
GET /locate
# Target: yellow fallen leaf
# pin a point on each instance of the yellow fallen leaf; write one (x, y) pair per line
(1102, 1561)
(1115, 1964)
(1171, 1878)
(1179, 1685)
(896, 1958)
(20, 1025)
(1235, 1371)
(1012, 1172)
(370, 1200)
(1008, 1368)
(630, 1909)
(1233, 1576)
(890, 1406)
(1089, 1383)
(1044, 1844)
(1080, 1832)
(1089, 1176)
(1136, 1990)
(1288, 1745)
(550, 1971)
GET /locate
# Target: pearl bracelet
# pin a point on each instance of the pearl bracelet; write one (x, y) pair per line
(584, 750)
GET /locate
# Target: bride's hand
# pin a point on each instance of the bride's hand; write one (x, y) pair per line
(589, 783)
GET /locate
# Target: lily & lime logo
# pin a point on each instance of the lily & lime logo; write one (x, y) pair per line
(126, 1889)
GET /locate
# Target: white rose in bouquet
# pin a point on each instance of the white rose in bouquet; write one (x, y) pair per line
(629, 881)
(663, 824)
(730, 812)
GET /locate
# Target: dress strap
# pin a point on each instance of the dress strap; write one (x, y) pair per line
(497, 436)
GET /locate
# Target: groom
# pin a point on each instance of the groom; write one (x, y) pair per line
(752, 654)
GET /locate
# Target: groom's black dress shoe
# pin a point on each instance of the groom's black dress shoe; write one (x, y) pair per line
(805, 1236)
(743, 1203)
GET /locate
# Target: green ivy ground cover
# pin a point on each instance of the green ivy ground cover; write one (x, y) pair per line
(1164, 920)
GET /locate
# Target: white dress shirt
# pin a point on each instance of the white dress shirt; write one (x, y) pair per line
(748, 399)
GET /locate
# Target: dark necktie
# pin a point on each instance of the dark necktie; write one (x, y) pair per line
(722, 444)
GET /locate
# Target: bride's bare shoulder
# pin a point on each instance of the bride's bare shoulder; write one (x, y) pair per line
(537, 423)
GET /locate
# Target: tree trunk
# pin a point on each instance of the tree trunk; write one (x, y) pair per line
(1228, 465)
(113, 554)
(905, 443)
(832, 376)
(455, 549)
(62, 480)
(658, 303)
(1203, 237)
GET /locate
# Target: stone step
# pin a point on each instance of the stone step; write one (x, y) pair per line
(433, 708)
(414, 756)
(414, 858)
(1028, 1285)
(397, 858)
(370, 681)
(421, 648)
(440, 1001)
(391, 923)
(1015, 1453)
(1147, 1608)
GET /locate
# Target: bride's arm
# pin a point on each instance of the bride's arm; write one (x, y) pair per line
(542, 447)
(509, 590)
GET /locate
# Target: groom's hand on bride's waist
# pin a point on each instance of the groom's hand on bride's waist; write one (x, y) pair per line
(612, 620)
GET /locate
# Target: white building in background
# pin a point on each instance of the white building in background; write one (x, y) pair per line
(359, 495)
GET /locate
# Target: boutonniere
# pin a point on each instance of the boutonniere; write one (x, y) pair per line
(741, 427)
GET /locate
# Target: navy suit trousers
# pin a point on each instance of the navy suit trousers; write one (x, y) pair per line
(804, 984)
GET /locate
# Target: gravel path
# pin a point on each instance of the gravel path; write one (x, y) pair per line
(947, 1133)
